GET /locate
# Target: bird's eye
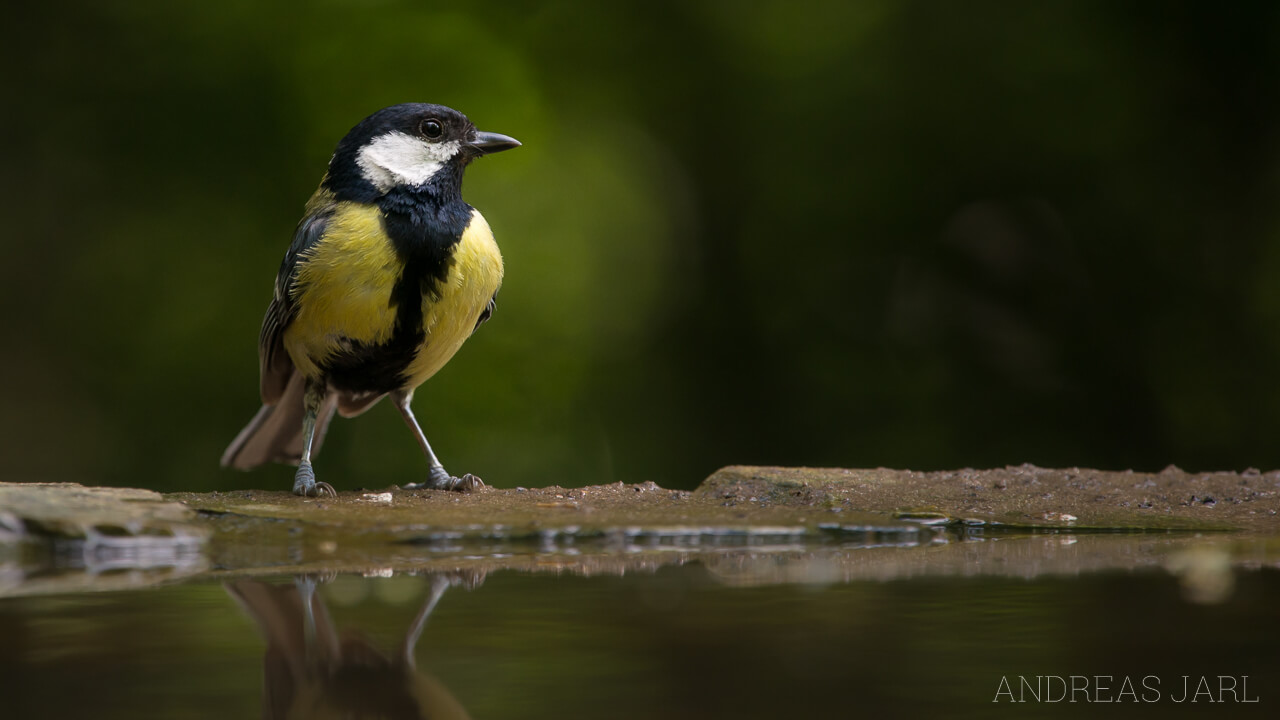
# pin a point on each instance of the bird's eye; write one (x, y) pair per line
(432, 128)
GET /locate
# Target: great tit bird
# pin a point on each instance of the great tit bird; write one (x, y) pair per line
(311, 670)
(389, 272)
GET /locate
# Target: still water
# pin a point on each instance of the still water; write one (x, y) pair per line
(734, 635)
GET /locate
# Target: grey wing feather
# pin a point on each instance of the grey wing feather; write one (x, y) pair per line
(275, 366)
(352, 404)
(275, 433)
(486, 313)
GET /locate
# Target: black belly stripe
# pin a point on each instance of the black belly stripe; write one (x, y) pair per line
(425, 234)
(380, 368)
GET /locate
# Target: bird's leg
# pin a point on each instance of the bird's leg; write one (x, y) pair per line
(304, 481)
(321, 647)
(439, 584)
(437, 477)
(307, 593)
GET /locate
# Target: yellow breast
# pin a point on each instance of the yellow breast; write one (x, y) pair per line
(343, 288)
(474, 276)
(343, 292)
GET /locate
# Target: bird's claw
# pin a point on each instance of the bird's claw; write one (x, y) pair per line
(440, 479)
(466, 483)
(305, 485)
(322, 489)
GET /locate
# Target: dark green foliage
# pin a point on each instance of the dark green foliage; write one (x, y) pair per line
(918, 234)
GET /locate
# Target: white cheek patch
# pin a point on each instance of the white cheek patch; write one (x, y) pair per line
(400, 159)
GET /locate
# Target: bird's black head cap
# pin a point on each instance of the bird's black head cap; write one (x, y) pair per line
(408, 146)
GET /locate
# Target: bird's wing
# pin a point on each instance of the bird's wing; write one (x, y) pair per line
(274, 363)
(486, 313)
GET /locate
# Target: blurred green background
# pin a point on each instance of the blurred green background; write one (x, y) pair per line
(913, 234)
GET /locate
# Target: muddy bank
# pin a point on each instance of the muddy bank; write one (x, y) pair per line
(756, 500)
(1023, 496)
(745, 524)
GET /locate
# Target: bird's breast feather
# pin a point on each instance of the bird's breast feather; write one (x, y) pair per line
(342, 286)
(475, 273)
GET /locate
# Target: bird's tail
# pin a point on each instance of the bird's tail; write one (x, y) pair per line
(275, 433)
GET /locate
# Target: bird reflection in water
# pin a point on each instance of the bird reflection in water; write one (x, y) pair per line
(311, 671)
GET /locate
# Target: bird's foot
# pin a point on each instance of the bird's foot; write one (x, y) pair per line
(305, 485)
(440, 479)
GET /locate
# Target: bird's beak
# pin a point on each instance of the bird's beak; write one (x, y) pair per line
(487, 143)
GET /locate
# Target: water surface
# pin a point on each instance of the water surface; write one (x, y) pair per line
(732, 634)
